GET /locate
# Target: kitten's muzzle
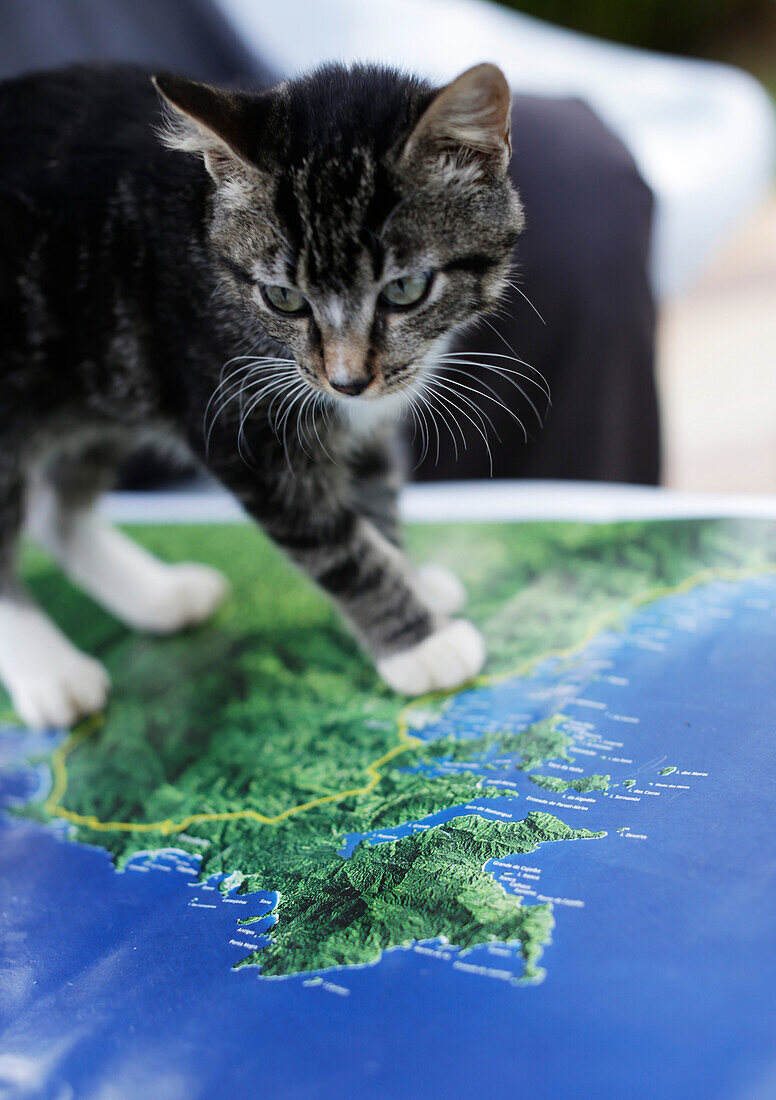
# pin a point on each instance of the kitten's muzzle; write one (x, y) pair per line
(353, 387)
(345, 364)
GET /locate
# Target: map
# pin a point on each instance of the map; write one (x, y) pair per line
(262, 873)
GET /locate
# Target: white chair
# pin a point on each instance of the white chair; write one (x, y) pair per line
(702, 134)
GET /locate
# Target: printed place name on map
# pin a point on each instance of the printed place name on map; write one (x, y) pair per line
(435, 952)
(548, 802)
(484, 971)
(487, 810)
(329, 987)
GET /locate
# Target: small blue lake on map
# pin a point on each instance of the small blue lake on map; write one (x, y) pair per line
(659, 979)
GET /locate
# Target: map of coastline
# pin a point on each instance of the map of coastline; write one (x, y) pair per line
(559, 878)
(261, 745)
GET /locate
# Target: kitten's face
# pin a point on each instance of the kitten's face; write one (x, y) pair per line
(368, 219)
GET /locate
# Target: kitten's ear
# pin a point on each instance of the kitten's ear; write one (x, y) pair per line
(205, 120)
(467, 122)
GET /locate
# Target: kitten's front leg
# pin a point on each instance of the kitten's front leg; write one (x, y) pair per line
(51, 683)
(378, 470)
(439, 589)
(415, 649)
(139, 589)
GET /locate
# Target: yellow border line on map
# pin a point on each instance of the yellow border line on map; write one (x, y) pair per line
(406, 739)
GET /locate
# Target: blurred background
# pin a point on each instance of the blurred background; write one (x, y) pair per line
(689, 89)
(686, 89)
(741, 32)
(717, 338)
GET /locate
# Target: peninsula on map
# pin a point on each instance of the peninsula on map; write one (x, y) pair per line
(261, 741)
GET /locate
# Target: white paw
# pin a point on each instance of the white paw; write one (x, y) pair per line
(449, 657)
(51, 683)
(184, 595)
(65, 687)
(439, 589)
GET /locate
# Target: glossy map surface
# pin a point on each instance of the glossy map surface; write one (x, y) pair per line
(260, 869)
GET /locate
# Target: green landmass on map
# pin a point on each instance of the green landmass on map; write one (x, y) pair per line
(584, 783)
(667, 771)
(272, 707)
(524, 748)
(422, 887)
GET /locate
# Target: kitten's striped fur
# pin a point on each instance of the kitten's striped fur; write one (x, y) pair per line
(134, 303)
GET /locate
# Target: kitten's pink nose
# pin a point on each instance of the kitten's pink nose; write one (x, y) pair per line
(345, 365)
(353, 387)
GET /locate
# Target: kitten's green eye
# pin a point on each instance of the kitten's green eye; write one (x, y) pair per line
(408, 290)
(284, 299)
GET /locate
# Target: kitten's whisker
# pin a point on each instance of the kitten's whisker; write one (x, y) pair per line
(241, 358)
(321, 401)
(451, 409)
(455, 408)
(466, 359)
(509, 348)
(455, 386)
(423, 400)
(528, 300)
(509, 376)
(220, 394)
(259, 359)
(300, 430)
(425, 434)
(496, 397)
(414, 398)
(229, 385)
(479, 429)
(242, 343)
(278, 385)
(245, 415)
(494, 354)
(497, 400)
(236, 389)
(415, 423)
(417, 427)
(286, 404)
(303, 428)
(223, 381)
(294, 396)
(255, 397)
(439, 411)
(318, 418)
(279, 391)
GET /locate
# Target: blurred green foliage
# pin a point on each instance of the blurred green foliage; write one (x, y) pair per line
(686, 27)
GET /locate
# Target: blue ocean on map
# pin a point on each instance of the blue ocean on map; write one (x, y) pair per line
(660, 976)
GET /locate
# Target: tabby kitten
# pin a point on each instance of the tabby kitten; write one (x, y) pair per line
(262, 280)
